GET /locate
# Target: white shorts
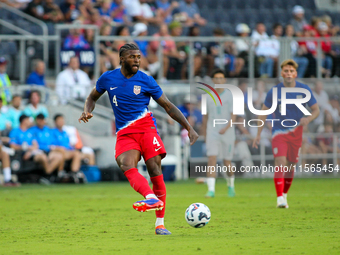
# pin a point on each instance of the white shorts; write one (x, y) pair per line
(220, 145)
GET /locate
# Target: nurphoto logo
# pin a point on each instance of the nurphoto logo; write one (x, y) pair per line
(239, 101)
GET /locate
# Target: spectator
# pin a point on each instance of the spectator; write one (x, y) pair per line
(70, 10)
(35, 9)
(259, 95)
(34, 107)
(194, 31)
(4, 121)
(308, 147)
(75, 40)
(266, 50)
(119, 13)
(105, 11)
(322, 98)
(121, 31)
(308, 47)
(21, 139)
(297, 52)
(133, 10)
(72, 83)
(326, 46)
(87, 153)
(259, 33)
(37, 76)
(6, 168)
(242, 45)
(190, 111)
(44, 138)
(14, 111)
(166, 9)
(149, 60)
(5, 82)
(325, 141)
(62, 140)
(109, 59)
(150, 15)
(232, 64)
(298, 20)
(86, 9)
(168, 46)
(332, 29)
(52, 12)
(333, 109)
(190, 11)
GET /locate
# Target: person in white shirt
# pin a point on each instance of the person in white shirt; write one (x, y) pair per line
(72, 83)
(220, 140)
(322, 98)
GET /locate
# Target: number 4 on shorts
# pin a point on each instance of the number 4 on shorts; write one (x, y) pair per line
(155, 141)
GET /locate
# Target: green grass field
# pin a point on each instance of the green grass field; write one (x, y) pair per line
(99, 219)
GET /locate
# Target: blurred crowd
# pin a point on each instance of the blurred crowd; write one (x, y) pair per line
(172, 19)
(26, 136)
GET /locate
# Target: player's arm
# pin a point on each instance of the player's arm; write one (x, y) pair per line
(178, 116)
(260, 127)
(204, 125)
(90, 103)
(315, 113)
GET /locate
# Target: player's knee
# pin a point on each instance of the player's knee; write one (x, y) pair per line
(281, 161)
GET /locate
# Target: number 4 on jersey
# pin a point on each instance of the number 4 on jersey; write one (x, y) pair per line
(155, 141)
(114, 100)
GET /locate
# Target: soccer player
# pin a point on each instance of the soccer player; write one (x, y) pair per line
(286, 141)
(129, 91)
(219, 139)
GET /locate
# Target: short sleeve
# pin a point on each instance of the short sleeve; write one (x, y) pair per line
(269, 99)
(100, 84)
(13, 137)
(312, 100)
(154, 89)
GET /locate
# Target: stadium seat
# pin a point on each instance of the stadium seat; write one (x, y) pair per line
(212, 4)
(265, 4)
(200, 3)
(229, 4)
(228, 28)
(251, 15)
(221, 16)
(265, 15)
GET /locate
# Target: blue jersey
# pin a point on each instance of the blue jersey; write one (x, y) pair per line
(130, 98)
(43, 136)
(18, 137)
(292, 111)
(61, 139)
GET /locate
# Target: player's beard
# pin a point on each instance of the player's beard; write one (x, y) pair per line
(130, 69)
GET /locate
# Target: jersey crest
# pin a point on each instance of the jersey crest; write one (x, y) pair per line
(136, 89)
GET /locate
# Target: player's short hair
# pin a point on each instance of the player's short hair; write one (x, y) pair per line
(58, 115)
(216, 71)
(126, 47)
(40, 116)
(22, 118)
(289, 62)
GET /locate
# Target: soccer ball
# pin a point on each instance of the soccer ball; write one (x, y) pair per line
(197, 215)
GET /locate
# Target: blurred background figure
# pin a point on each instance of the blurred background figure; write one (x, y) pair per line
(37, 77)
(72, 83)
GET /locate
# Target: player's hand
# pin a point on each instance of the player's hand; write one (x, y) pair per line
(304, 121)
(193, 136)
(85, 116)
(256, 141)
(223, 130)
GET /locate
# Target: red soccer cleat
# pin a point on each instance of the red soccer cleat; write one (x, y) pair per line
(150, 204)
